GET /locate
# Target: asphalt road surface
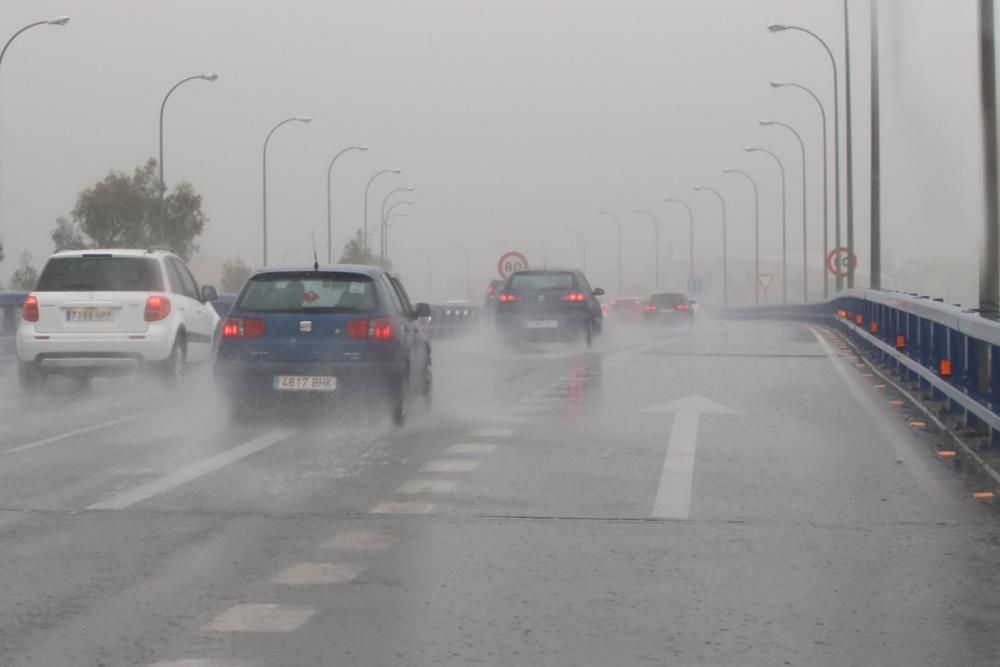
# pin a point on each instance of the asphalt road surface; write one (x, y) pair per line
(731, 494)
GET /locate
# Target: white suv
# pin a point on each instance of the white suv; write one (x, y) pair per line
(107, 312)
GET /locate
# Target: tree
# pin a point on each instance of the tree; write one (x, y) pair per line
(356, 253)
(234, 274)
(134, 211)
(25, 276)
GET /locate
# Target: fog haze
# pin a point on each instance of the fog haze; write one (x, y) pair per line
(514, 120)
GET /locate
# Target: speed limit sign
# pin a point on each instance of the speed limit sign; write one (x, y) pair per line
(840, 262)
(511, 262)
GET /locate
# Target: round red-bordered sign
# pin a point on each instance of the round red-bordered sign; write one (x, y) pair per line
(837, 262)
(510, 262)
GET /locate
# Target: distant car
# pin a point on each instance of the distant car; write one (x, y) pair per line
(492, 291)
(669, 308)
(627, 308)
(546, 305)
(336, 334)
(108, 312)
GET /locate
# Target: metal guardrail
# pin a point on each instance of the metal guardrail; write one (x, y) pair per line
(951, 353)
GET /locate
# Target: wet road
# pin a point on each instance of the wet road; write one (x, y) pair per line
(536, 516)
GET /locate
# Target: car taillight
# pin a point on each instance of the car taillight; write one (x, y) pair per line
(650, 308)
(682, 306)
(241, 327)
(575, 297)
(157, 308)
(489, 291)
(509, 298)
(380, 329)
(604, 309)
(30, 310)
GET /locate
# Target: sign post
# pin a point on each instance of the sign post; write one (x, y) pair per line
(764, 279)
(510, 262)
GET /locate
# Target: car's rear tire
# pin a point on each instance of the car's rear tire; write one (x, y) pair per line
(172, 368)
(29, 377)
(427, 390)
(588, 334)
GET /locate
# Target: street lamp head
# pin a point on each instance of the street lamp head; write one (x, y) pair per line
(750, 149)
(778, 84)
(210, 77)
(303, 119)
(727, 170)
(764, 123)
(409, 188)
(777, 27)
(362, 148)
(395, 171)
(698, 187)
(59, 20)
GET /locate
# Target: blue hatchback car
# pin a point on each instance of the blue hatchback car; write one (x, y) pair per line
(341, 334)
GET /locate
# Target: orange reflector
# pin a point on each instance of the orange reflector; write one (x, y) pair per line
(850, 315)
(900, 342)
(860, 365)
(867, 375)
(983, 495)
(880, 387)
(946, 368)
(918, 424)
(895, 404)
(859, 320)
(874, 327)
(947, 454)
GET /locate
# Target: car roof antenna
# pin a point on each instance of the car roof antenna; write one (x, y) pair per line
(315, 257)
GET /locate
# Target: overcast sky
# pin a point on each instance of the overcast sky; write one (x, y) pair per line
(514, 119)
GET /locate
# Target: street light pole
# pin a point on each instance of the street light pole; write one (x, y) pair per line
(367, 188)
(784, 226)
(656, 250)
(385, 231)
(691, 242)
(619, 223)
(427, 256)
(163, 106)
(836, 129)
(849, 156)
(59, 20)
(294, 119)
(756, 230)
(583, 245)
(725, 248)
(875, 281)
(805, 227)
(163, 183)
(382, 249)
(329, 200)
(826, 180)
(989, 280)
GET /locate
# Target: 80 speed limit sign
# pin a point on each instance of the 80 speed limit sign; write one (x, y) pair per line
(511, 262)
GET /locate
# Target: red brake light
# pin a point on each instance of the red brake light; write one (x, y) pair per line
(157, 308)
(650, 307)
(574, 296)
(682, 306)
(238, 327)
(380, 329)
(489, 291)
(506, 297)
(30, 310)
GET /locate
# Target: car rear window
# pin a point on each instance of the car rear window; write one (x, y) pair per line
(309, 292)
(100, 273)
(542, 280)
(667, 299)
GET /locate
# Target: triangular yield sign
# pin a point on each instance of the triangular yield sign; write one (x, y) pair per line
(765, 279)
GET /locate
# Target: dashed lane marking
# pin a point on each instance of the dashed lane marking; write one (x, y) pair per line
(451, 465)
(427, 486)
(371, 540)
(510, 419)
(193, 471)
(307, 574)
(198, 662)
(471, 448)
(261, 618)
(71, 434)
(392, 507)
(491, 432)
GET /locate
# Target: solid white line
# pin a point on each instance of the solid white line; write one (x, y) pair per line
(673, 496)
(193, 471)
(427, 486)
(70, 434)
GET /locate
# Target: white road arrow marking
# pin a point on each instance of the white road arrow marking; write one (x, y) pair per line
(673, 496)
